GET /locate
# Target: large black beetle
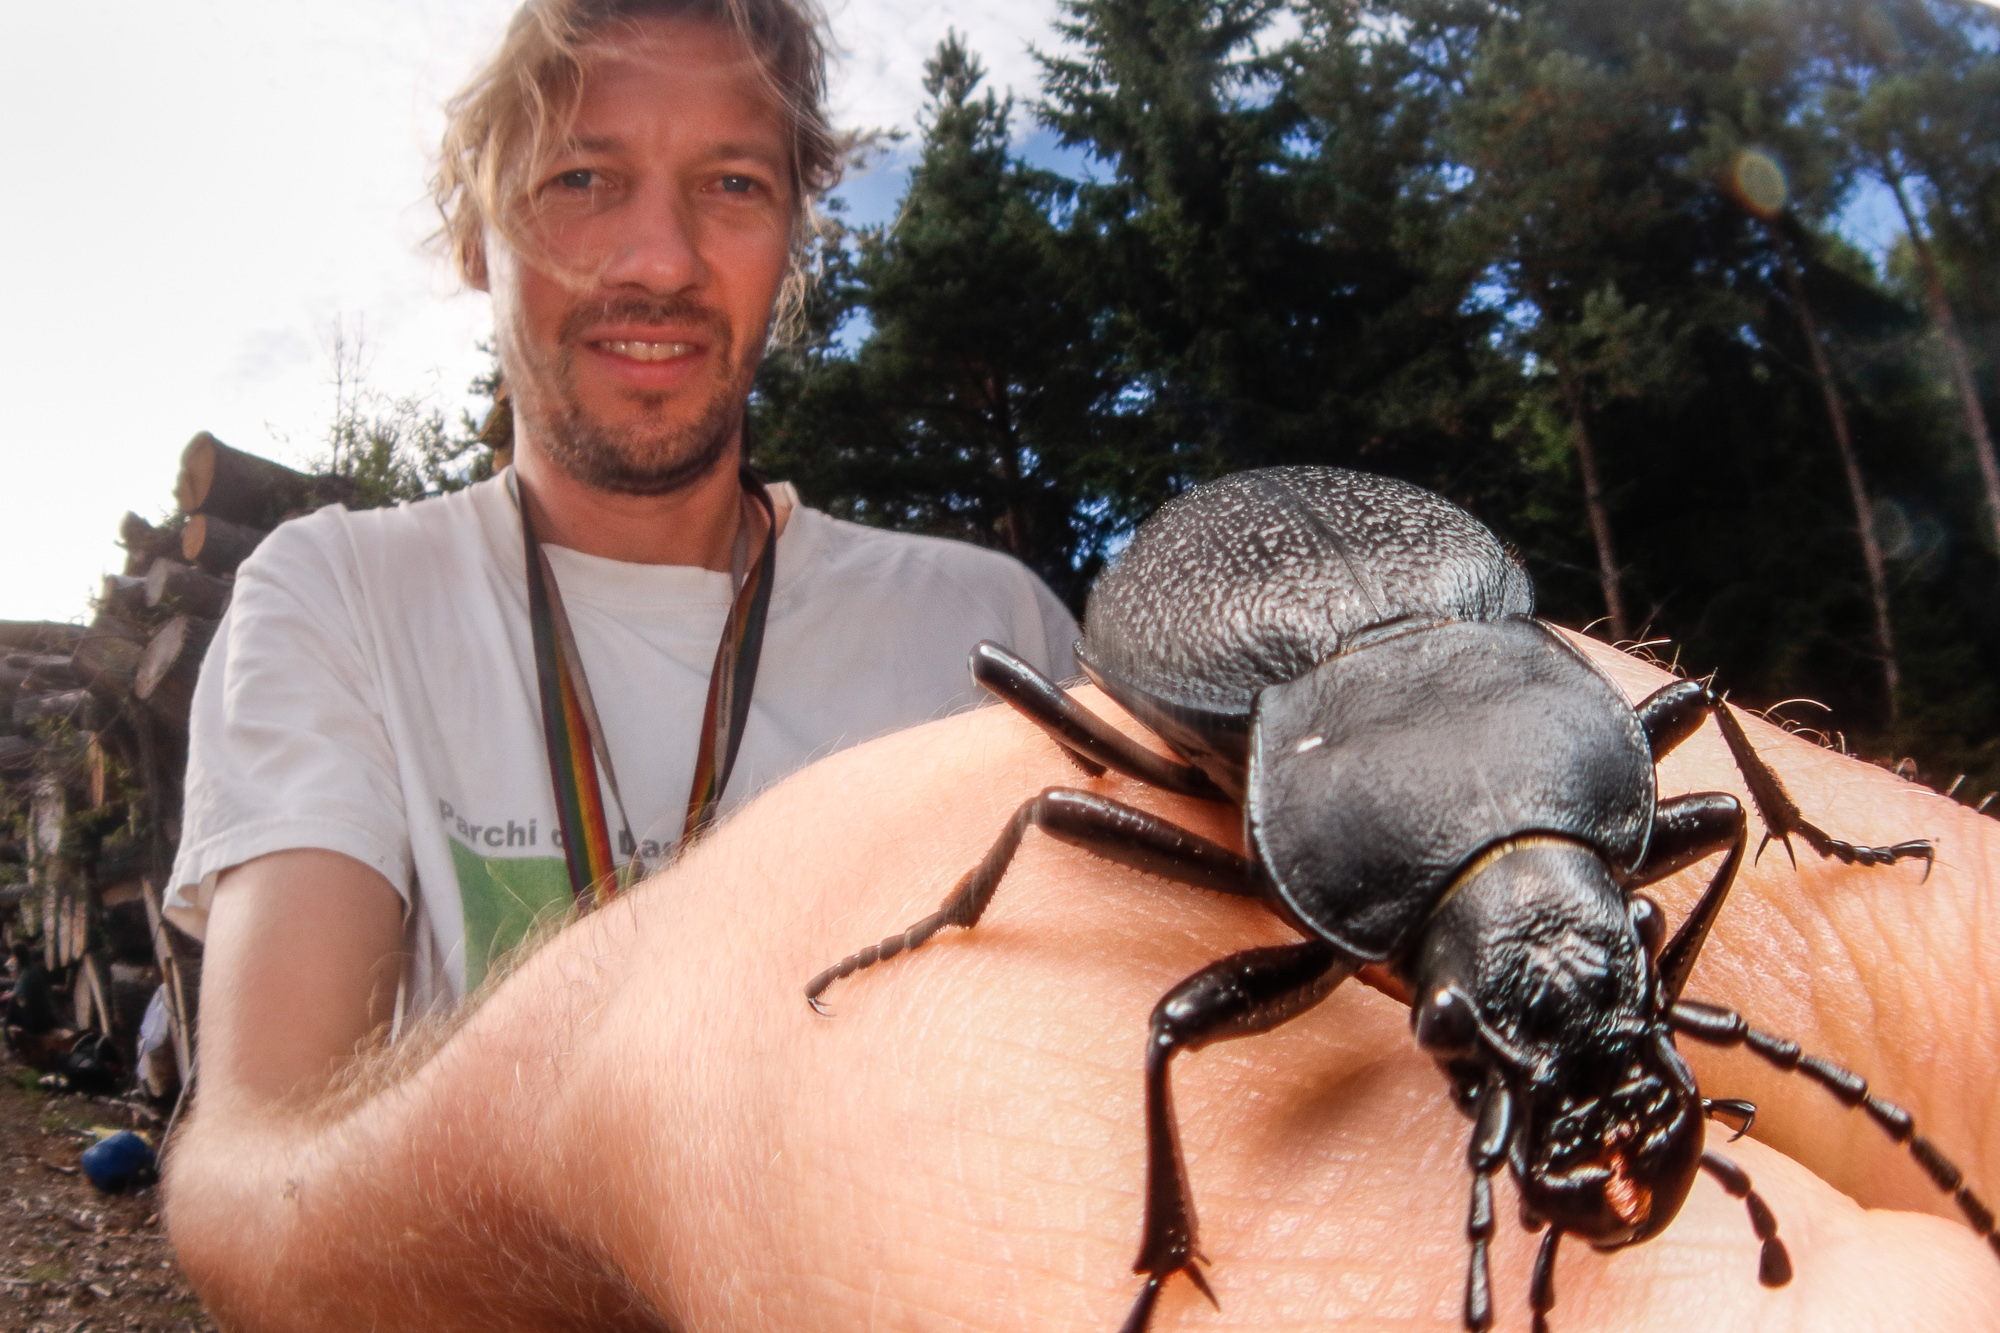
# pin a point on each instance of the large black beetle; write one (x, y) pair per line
(1437, 784)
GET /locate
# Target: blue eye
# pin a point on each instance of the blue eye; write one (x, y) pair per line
(581, 179)
(737, 184)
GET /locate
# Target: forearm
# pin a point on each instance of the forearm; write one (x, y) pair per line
(647, 1108)
(314, 1188)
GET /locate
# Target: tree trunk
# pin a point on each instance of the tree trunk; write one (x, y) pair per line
(168, 671)
(184, 589)
(228, 483)
(1955, 354)
(108, 654)
(1857, 489)
(122, 595)
(1593, 502)
(143, 543)
(218, 545)
(37, 636)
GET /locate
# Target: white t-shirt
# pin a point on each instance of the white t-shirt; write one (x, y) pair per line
(372, 691)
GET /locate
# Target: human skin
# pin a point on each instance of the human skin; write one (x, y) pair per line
(645, 1126)
(638, 302)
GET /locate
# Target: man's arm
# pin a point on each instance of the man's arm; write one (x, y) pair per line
(647, 1111)
(304, 953)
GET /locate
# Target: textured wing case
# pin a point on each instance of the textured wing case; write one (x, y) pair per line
(1254, 579)
(1429, 747)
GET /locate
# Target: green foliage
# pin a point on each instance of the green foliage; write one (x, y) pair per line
(980, 406)
(391, 449)
(1448, 239)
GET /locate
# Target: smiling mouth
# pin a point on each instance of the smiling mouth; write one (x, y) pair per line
(638, 351)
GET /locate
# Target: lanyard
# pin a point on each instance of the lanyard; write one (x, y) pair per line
(575, 737)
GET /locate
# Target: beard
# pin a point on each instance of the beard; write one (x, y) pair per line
(649, 455)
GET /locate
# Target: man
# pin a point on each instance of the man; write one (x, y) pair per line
(644, 1126)
(382, 693)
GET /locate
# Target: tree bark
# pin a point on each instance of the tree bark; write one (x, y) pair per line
(122, 595)
(218, 545)
(1955, 354)
(143, 542)
(181, 588)
(1857, 489)
(1593, 501)
(107, 656)
(77, 706)
(171, 664)
(37, 636)
(228, 483)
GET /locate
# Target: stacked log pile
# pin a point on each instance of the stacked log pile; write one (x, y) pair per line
(93, 748)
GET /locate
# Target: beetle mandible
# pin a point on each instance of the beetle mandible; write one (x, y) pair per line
(1435, 783)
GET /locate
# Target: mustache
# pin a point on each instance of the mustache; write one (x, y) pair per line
(637, 309)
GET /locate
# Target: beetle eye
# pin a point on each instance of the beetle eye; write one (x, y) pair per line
(1651, 923)
(1445, 1024)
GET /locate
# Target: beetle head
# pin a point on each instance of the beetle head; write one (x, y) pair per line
(1536, 974)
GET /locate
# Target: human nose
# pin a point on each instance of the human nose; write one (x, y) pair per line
(658, 248)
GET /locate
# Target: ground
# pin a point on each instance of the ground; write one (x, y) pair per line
(74, 1260)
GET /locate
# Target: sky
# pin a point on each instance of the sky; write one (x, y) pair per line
(206, 195)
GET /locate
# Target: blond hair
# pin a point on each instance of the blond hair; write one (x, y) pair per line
(505, 125)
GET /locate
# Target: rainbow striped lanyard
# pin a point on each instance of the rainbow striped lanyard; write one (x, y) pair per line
(575, 737)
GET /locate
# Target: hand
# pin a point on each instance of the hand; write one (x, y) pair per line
(648, 1112)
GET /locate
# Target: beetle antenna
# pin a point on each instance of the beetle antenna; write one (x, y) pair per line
(1478, 1232)
(1542, 1289)
(1774, 1266)
(1493, 1127)
(1725, 1027)
(1729, 1108)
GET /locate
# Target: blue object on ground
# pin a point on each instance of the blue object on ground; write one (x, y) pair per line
(120, 1160)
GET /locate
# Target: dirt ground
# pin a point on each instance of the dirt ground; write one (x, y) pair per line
(73, 1260)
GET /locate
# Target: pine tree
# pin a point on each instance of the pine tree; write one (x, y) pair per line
(979, 405)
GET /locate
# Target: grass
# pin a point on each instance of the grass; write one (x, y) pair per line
(30, 1083)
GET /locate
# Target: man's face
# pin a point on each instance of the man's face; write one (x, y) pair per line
(630, 340)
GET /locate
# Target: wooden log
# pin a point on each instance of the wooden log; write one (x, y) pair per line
(127, 931)
(182, 991)
(92, 993)
(218, 545)
(173, 586)
(172, 662)
(107, 656)
(38, 636)
(227, 483)
(47, 672)
(122, 595)
(77, 706)
(11, 681)
(131, 986)
(145, 543)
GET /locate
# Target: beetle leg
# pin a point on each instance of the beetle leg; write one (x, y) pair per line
(1085, 737)
(1685, 829)
(1774, 1266)
(1104, 827)
(1238, 996)
(1672, 713)
(1725, 1027)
